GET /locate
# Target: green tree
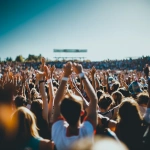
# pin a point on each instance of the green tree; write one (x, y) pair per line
(87, 60)
(19, 58)
(34, 58)
(9, 59)
(39, 57)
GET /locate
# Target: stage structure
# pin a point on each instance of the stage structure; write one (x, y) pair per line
(70, 54)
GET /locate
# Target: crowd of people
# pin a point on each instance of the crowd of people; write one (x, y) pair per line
(75, 106)
(124, 64)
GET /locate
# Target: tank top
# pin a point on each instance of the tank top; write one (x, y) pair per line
(33, 143)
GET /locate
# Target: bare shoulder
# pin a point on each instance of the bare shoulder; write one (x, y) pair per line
(112, 125)
(46, 144)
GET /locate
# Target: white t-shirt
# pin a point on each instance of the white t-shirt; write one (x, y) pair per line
(63, 142)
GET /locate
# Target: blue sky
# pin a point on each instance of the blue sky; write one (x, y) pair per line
(108, 29)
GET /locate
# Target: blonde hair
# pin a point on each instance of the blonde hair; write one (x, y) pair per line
(25, 123)
(34, 94)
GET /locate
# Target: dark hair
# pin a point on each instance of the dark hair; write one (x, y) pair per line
(118, 97)
(6, 94)
(99, 93)
(70, 109)
(142, 98)
(105, 101)
(31, 85)
(20, 101)
(36, 107)
(129, 111)
(124, 92)
(115, 86)
(130, 128)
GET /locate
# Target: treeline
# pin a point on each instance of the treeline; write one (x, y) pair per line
(30, 58)
(35, 58)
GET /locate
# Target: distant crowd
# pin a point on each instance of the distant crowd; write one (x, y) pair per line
(125, 64)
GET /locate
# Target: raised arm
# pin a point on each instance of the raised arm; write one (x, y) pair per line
(61, 90)
(52, 69)
(50, 92)
(93, 71)
(40, 78)
(97, 83)
(92, 109)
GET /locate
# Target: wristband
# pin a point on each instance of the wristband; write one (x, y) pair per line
(49, 80)
(65, 79)
(82, 75)
(41, 81)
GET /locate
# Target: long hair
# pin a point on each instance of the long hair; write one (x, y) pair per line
(25, 124)
(42, 124)
(130, 128)
(34, 94)
(37, 107)
(129, 112)
(105, 102)
(117, 96)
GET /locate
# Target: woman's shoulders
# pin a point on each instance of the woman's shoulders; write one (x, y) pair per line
(34, 142)
(38, 143)
(46, 144)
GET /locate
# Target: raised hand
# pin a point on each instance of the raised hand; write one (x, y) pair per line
(23, 77)
(77, 68)
(10, 75)
(43, 61)
(67, 68)
(107, 73)
(40, 75)
(104, 73)
(60, 76)
(93, 71)
(47, 73)
(53, 68)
